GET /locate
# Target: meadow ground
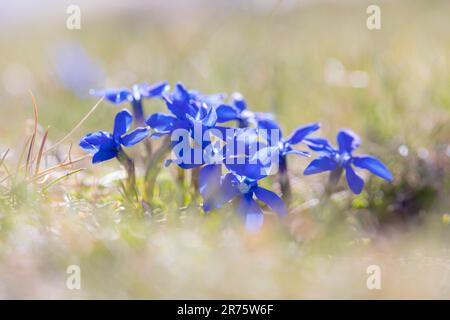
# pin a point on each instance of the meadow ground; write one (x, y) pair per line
(304, 62)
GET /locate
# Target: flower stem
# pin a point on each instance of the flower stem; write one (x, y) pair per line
(194, 179)
(138, 114)
(283, 178)
(333, 180)
(128, 164)
(153, 167)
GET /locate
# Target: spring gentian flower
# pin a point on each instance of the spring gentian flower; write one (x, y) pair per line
(237, 111)
(186, 110)
(189, 112)
(336, 160)
(134, 96)
(105, 145)
(217, 190)
(280, 146)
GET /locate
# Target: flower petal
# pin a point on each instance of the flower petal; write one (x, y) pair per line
(354, 180)
(320, 164)
(210, 119)
(92, 142)
(251, 212)
(209, 185)
(273, 129)
(319, 145)
(228, 187)
(347, 140)
(226, 113)
(155, 90)
(116, 96)
(239, 101)
(103, 155)
(180, 92)
(160, 122)
(301, 132)
(122, 123)
(297, 152)
(135, 136)
(272, 200)
(373, 165)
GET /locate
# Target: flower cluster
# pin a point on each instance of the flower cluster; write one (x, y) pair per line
(231, 147)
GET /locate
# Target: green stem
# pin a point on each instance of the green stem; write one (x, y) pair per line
(153, 167)
(194, 178)
(283, 178)
(333, 180)
(128, 164)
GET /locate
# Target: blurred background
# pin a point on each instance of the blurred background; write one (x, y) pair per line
(304, 61)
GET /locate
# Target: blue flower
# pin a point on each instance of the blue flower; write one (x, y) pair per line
(191, 113)
(281, 147)
(336, 160)
(217, 190)
(105, 145)
(238, 111)
(187, 111)
(134, 96)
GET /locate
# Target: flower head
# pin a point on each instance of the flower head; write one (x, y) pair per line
(105, 145)
(342, 158)
(136, 93)
(217, 189)
(277, 147)
(188, 109)
(237, 111)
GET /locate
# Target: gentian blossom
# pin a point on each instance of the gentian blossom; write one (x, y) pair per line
(187, 111)
(105, 145)
(237, 111)
(217, 190)
(342, 158)
(192, 116)
(134, 96)
(281, 147)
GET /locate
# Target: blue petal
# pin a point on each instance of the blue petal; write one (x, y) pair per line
(160, 122)
(134, 136)
(320, 164)
(319, 145)
(180, 93)
(226, 113)
(209, 185)
(213, 100)
(103, 155)
(210, 118)
(122, 123)
(116, 96)
(92, 142)
(251, 212)
(373, 165)
(347, 140)
(239, 101)
(266, 156)
(354, 181)
(273, 129)
(252, 171)
(155, 90)
(301, 132)
(181, 109)
(298, 152)
(228, 187)
(272, 200)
